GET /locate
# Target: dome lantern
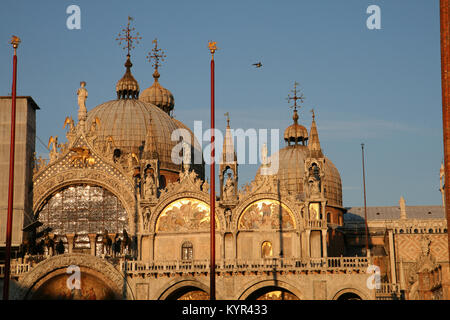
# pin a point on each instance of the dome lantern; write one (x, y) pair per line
(127, 87)
(296, 133)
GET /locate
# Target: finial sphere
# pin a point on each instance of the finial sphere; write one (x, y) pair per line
(212, 46)
(15, 41)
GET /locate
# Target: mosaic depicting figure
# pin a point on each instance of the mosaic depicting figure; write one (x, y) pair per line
(266, 214)
(184, 215)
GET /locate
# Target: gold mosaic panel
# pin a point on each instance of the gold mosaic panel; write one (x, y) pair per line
(186, 214)
(265, 215)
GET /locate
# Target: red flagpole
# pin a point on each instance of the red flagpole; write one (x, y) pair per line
(15, 42)
(212, 189)
(365, 206)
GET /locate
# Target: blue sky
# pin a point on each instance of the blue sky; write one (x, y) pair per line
(379, 87)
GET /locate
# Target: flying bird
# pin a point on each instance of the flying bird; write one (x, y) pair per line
(257, 65)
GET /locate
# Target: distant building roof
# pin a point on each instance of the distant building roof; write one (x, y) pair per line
(29, 98)
(393, 213)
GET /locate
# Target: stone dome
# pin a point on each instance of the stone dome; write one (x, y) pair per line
(128, 121)
(291, 173)
(138, 126)
(158, 95)
(291, 162)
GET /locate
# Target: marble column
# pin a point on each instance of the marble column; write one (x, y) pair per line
(70, 237)
(324, 243)
(152, 246)
(92, 242)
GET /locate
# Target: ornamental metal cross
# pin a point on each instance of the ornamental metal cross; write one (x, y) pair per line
(156, 55)
(126, 37)
(295, 97)
(227, 114)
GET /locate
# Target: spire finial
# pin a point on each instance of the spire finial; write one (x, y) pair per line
(156, 56)
(15, 41)
(227, 114)
(212, 47)
(295, 97)
(125, 36)
(313, 114)
(127, 87)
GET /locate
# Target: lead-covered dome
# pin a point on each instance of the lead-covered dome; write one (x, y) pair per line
(136, 126)
(128, 122)
(291, 167)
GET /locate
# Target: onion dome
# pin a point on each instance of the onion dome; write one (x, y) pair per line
(296, 133)
(127, 87)
(158, 95)
(291, 164)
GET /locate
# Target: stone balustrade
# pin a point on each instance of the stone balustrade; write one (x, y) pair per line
(316, 224)
(16, 269)
(387, 291)
(358, 264)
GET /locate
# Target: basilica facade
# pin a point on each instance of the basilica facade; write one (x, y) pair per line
(112, 202)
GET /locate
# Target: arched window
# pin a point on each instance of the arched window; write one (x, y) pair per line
(329, 217)
(266, 249)
(80, 210)
(187, 251)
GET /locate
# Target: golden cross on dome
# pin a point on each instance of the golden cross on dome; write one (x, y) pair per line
(295, 97)
(125, 37)
(156, 55)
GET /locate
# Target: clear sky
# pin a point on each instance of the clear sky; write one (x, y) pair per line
(379, 87)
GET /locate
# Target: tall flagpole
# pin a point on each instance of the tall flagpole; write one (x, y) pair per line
(365, 206)
(212, 200)
(15, 42)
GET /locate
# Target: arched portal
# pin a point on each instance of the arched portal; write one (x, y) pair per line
(74, 276)
(188, 293)
(272, 293)
(92, 286)
(349, 296)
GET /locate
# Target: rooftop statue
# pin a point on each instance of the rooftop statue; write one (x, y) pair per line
(82, 96)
